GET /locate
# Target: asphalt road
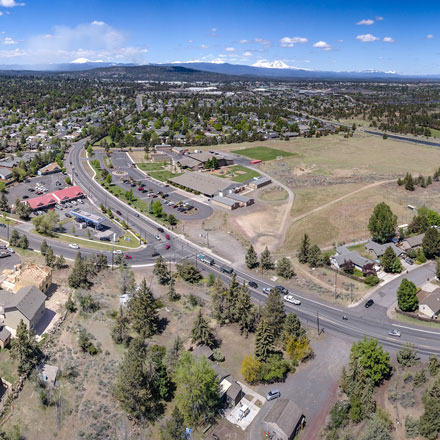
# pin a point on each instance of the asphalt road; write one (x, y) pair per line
(361, 321)
(403, 138)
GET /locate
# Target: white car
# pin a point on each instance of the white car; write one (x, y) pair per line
(267, 290)
(11, 250)
(73, 246)
(291, 299)
(117, 251)
(394, 333)
(157, 237)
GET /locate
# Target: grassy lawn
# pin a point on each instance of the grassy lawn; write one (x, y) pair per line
(8, 366)
(262, 153)
(133, 241)
(91, 244)
(435, 133)
(409, 320)
(150, 166)
(238, 173)
(163, 175)
(106, 138)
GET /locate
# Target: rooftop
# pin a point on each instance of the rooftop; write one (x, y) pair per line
(285, 414)
(203, 182)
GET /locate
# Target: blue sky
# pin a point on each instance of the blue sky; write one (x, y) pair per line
(392, 35)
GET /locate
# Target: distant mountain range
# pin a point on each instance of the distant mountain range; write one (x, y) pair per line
(202, 71)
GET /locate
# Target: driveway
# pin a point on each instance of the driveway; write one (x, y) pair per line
(313, 387)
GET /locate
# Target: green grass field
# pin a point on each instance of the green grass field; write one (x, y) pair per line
(163, 175)
(98, 143)
(150, 166)
(262, 153)
(244, 173)
(435, 133)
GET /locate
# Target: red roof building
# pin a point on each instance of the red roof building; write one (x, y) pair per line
(63, 195)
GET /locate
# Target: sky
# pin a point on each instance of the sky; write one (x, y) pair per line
(399, 36)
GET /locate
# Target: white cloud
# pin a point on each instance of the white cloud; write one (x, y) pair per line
(322, 45)
(366, 38)
(365, 22)
(203, 46)
(9, 41)
(244, 41)
(262, 41)
(1, 13)
(230, 49)
(98, 23)
(388, 40)
(380, 18)
(213, 30)
(430, 36)
(10, 3)
(96, 40)
(247, 54)
(291, 41)
(12, 53)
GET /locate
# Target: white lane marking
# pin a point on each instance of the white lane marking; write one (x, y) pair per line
(416, 329)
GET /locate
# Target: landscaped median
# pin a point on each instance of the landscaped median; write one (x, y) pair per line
(91, 244)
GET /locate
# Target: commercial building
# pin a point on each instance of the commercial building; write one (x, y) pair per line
(87, 217)
(225, 202)
(49, 169)
(203, 183)
(28, 304)
(259, 182)
(48, 200)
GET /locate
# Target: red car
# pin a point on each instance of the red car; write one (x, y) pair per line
(167, 246)
(141, 188)
(128, 257)
(167, 237)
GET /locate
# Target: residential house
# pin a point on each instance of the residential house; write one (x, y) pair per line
(429, 303)
(5, 337)
(343, 255)
(412, 242)
(28, 304)
(49, 169)
(284, 420)
(5, 173)
(379, 249)
(27, 275)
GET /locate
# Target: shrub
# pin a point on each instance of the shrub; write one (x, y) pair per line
(217, 355)
(340, 414)
(372, 280)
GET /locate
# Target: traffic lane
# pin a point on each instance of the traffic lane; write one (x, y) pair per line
(402, 138)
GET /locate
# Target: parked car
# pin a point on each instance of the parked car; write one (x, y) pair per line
(2, 225)
(68, 215)
(267, 290)
(291, 299)
(128, 257)
(167, 246)
(273, 394)
(11, 250)
(253, 284)
(25, 196)
(395, 333)
(73, 246)
(369, 303)
(117, 251)
(409, 261)
(104, 238)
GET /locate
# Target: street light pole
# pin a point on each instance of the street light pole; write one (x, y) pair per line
(317, 321)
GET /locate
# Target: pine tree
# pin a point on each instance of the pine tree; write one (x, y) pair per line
(264, 340)
(407, 296)
(431, 243)
(251, 258)
(201, 333)
(292, 328)
(382, 223)
(284, 268)
(24, 242)
(120, 331)
(172, 294)
(50, 257)
(24, 349)
(245, 311)
(273, 312)
(303, 255)
(266, 260)
(219, 303)
(143, 311)
(161, 271)
(70, 304)
(174, 427)
(79, 275)
(173, 352)
(314, 257)
(388, 259)
(4, 206)
(44, 247)
(60, 263)
(14, 238)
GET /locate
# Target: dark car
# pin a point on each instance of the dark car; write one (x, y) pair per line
(253, 284)
(155, 254)
(118, 212)
(25, 196)
(104, 238)
(67, 215)
(369, 303)
(227, 269)
(2, 225)
(282, 290)
(161, 230)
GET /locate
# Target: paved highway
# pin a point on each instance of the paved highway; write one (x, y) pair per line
(361, 321)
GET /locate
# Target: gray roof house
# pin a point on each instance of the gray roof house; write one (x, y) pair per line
(413, 242)
(358, 260)
(429, 303)
(28, 304)
(379, 249)
(284, 420)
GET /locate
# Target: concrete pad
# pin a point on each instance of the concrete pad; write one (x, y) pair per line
(429, 287)
(233, 415)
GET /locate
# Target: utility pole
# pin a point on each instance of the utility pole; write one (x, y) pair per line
(336, 279)
(207, 239)
(351, 292)
(317, 321)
